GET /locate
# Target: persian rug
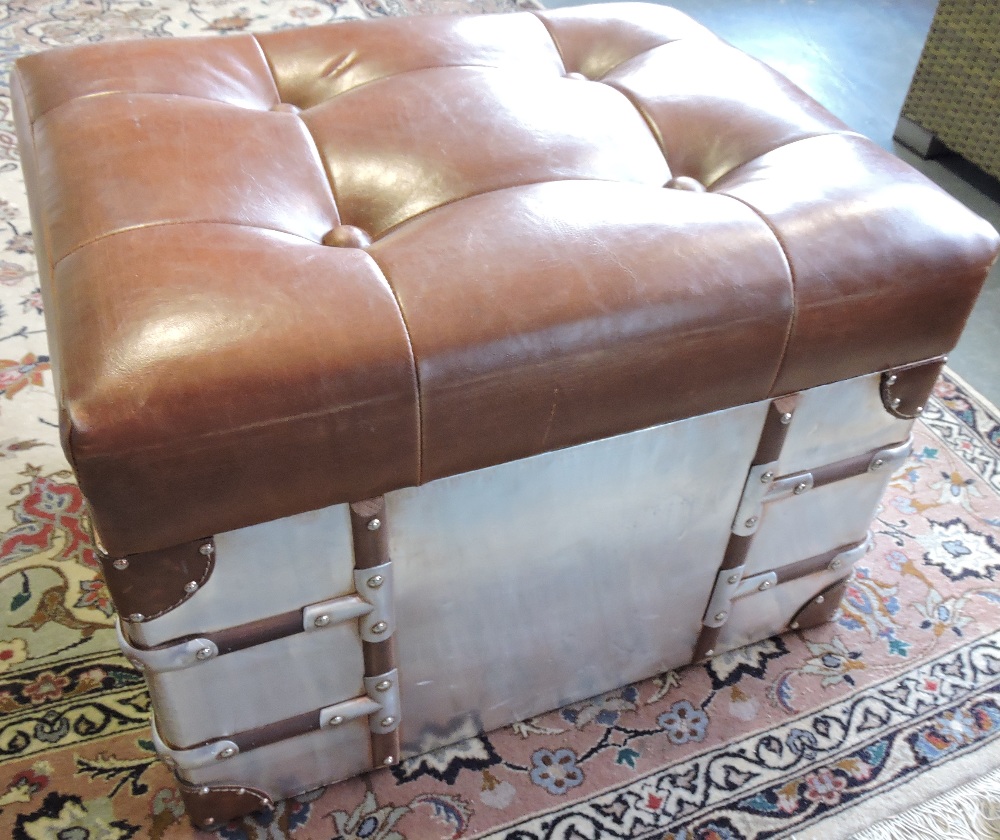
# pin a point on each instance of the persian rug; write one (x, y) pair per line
(814, 735)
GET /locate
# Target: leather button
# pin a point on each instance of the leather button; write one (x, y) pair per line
(579, 76)
(286, 107)
(347, 236)
(685, 183)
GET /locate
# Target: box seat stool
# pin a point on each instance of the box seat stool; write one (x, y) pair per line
(424, 375)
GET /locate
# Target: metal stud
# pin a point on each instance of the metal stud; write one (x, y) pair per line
(794, 625)
(228, 752)
(764, 585)
(379, 627)
(336, 720)
(388, 721)
(800, 489)
(919, 410)
(892, 379)
(374, 524)
(786, 418)
(205, 791)
(210, 821)
(896, 403)
(191, 586)
(385, 685)
(241, 791)
(375, 582)
(204, 653)
(121, 564)
(389, 760)
(751, 522)
(733, 579)
(836, 563)
(135, 618)
(207, 549)
(766, 477)
(877, 464)
(709, 653)
(820, 599)
(321, 620)
(721, 616)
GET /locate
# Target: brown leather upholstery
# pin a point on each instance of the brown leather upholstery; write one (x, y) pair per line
(505, 270)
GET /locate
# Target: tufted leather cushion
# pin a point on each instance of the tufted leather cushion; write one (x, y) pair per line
(307, 267)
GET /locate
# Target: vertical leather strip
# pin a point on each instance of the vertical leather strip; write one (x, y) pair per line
(370, 530)
(385, 749)
(736, 551)
(772, 437)
(146, 586)
(380, 657)
(780, 414)
(707, 640)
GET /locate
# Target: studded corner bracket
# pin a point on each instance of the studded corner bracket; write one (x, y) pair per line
(146, 586)
(211, 807)
(904, 390)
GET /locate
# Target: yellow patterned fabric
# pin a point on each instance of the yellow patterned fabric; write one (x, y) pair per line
(956, 87)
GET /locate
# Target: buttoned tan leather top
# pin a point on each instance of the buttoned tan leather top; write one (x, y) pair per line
(289, 270)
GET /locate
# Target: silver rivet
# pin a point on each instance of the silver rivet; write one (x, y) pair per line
(896, 402)
(321, 620)
(800, 489)
(733, 579)
(385, 685)
(380, 627)
(820, 599)
(721, 616)
(709, 653)
(388, 721)
(877, 464)
(389, 760)
(375, 524)
(786, 418)
(204, 653)
(765, 585)
(892, 379)
(766, 477)
(919, 410)
(191, 586)
(228, 752)
(121, 564)
(210, 821)
(336, 720)
(375, 582)
(136, 617)
(205, 791)
(242, 791)
(751, 522)
(207, 549)
(836, 564)
(794, 625)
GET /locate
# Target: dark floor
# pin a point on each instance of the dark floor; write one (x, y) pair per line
(857, 58)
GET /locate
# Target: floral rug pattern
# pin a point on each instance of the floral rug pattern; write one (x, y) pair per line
(761, 742)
